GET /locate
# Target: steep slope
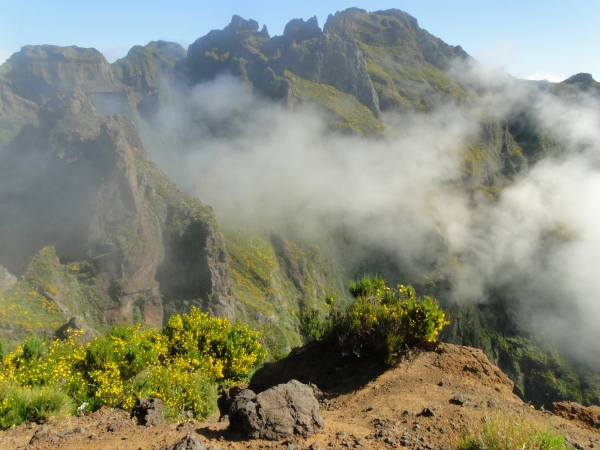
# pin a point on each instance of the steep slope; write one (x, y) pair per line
(82, 183)
(405, 63)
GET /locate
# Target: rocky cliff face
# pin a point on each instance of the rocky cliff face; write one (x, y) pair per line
(82, 182)
(383, 59)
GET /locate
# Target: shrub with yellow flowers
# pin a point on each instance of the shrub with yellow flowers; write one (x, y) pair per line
(382, 320)
(183, 365)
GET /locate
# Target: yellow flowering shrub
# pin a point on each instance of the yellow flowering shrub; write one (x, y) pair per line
(382, 320)
(228, 352)
(182, 366)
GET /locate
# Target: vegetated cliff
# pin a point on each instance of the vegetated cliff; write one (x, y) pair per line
(82, 183)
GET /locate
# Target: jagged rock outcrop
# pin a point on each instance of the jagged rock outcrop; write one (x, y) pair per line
(331, 60)
(82, 182)
(297, 30)
(144, 67)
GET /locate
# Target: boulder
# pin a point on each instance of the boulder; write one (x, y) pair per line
(148, 411)
(276, 413)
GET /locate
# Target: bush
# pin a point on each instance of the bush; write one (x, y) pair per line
(383, 321)
(20, 405)
(510, 432)
(311, 324)
(183, 366)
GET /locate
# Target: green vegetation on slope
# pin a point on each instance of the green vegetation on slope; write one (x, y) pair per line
(349, 114)
(275, 280)
(45, 295)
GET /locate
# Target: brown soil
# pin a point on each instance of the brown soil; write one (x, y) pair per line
(381, 413)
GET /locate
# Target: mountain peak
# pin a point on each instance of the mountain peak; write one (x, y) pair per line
(299, 30)
(581, 77)
(238, 23)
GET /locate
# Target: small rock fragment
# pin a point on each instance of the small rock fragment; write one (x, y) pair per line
(427, 412)
(460, 400)
(41, 434)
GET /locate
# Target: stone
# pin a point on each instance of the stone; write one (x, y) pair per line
(427, 412)
(41, 434)
(226, 398)
(148, 411)
(276, 413)
(189, 442)
(460, 400)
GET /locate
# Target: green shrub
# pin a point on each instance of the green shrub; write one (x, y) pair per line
(311, 324)
(509, 432)
(20, 405)
(33, 348)
(383, 321)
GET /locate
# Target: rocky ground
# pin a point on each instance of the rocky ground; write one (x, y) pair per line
(426, 402)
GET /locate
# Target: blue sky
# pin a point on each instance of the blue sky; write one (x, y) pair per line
(529, 38)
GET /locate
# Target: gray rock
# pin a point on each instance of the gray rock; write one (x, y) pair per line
(148, 411)
(461, 400)
(276, 413)
(189, 442)
(40, 435)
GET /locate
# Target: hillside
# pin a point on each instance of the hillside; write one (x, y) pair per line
(91, 227)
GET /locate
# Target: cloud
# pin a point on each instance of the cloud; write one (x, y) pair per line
(114, 53)
(549, 76)
(262, 163)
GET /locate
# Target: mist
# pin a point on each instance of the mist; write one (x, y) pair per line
(259, 162)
